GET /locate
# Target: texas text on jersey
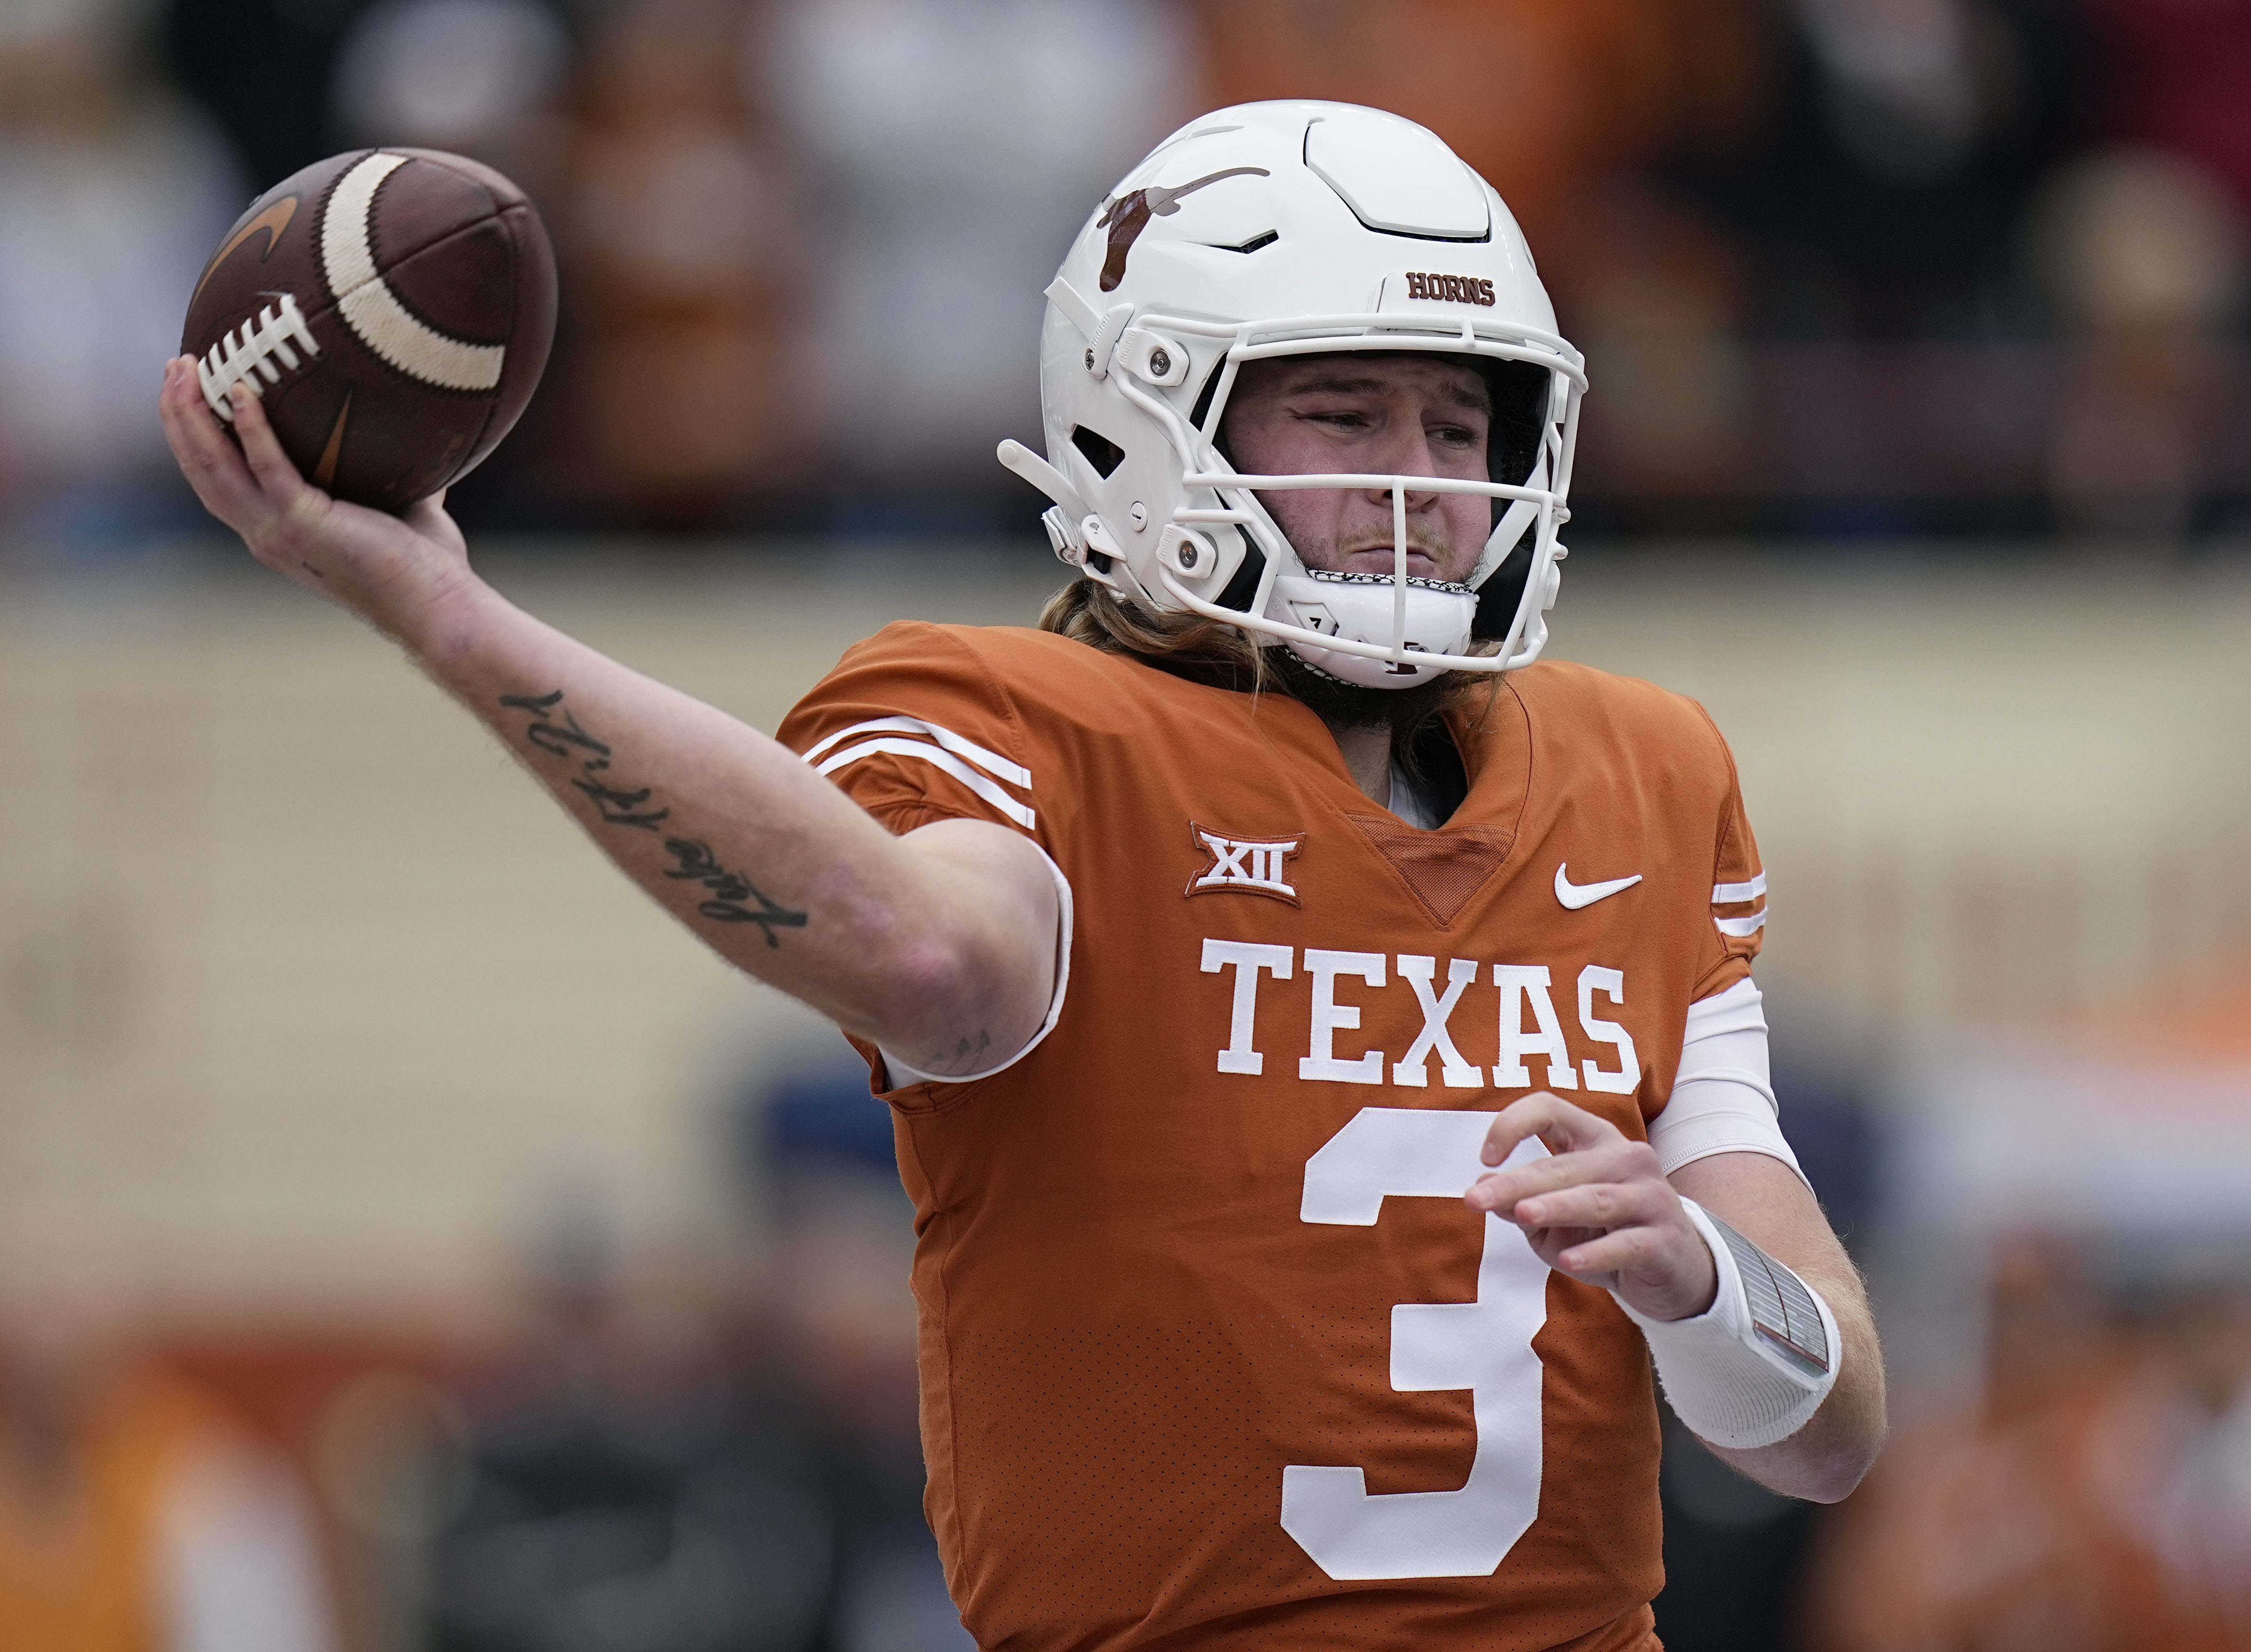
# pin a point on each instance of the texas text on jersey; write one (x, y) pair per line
(1200, 1253)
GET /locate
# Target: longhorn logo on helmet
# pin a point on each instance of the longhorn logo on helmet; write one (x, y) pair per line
(1127, 216)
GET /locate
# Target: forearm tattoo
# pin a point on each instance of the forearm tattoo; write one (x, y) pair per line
(556, 731)
(729, 889)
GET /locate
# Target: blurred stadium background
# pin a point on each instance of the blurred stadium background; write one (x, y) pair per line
(426, 1246)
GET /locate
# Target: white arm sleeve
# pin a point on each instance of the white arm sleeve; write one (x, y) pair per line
(1723, 1098)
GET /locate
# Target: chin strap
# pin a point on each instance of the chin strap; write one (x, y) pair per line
(1360, 606)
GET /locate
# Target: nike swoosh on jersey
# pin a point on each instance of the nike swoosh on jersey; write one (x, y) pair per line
(1578, 895)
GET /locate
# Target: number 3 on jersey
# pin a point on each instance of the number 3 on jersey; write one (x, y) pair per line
(1485, 1346)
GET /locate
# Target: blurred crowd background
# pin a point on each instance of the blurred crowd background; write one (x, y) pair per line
(409, 1244)
(1849, 266)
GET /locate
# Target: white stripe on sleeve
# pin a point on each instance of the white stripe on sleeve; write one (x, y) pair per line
(1728, 894)
(1741, 927)
(991, 762)
(1722, 1097)
(985, 788)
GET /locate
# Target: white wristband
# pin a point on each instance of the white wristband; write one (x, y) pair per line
(1754, 1367)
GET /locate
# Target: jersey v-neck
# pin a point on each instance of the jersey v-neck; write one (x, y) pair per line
(1415, 798)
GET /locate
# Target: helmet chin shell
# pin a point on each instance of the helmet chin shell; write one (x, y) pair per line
(1287, 228)
(1364, 607)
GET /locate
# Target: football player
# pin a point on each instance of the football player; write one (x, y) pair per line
(1321, 1040)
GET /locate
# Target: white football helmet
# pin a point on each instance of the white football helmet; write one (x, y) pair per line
(1284, 229)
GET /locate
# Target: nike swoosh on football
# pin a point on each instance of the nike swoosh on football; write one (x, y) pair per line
(274, 219)
(1578, 895)
(324, 474)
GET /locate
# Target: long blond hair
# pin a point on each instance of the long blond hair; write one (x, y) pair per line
(1088, 611)
(1212, 650)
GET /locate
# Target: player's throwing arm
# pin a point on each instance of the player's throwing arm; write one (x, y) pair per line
(936, 945)
(1760, 1327)
(1310, 430)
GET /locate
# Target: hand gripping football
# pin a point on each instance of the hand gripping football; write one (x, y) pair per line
(393, 309)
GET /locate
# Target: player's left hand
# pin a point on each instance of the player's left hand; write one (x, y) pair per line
(1597, 1208)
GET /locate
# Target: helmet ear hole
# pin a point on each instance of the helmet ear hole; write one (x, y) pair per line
(1242, 589)
(1521, 395)
(1103, 454)
(1503, 592)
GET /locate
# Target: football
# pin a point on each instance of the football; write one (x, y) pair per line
(392, 308)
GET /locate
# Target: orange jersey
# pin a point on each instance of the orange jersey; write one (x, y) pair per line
(1212, 1351)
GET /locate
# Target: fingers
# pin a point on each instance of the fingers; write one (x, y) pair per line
(278, 476)
(1615, 1222)
(1568, 1132)
(1505, 1192)
(1625, 1250)
(1598, 1205)
(1562, 1126)
(206, 458)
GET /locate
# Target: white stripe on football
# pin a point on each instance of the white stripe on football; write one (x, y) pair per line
(369, 306)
